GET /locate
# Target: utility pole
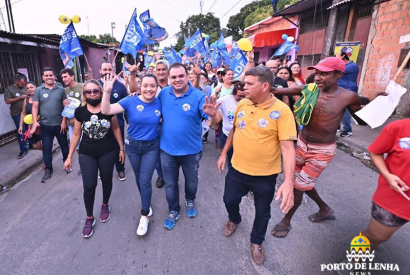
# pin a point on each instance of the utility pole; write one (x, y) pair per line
(10, 16)
(112, 31)
(88, 26)
(201, 5)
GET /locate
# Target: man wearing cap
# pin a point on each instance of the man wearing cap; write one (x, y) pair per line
(348, 81)
(316, 144)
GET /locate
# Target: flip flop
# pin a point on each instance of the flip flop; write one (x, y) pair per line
(321, 219)
(282, 230)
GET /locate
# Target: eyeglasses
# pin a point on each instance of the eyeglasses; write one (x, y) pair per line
(92, 92)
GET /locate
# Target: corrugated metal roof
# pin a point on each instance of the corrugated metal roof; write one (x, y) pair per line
(341, 3)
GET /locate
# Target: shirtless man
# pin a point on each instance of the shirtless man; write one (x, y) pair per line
(316, 145)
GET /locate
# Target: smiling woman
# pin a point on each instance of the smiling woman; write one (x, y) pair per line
(142, 144)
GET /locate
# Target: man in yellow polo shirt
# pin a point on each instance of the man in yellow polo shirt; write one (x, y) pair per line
(264, 129)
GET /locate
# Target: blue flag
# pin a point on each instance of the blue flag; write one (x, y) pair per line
(131, 42)
(196, 42)
(153, 33)
(284, 48)
(172, 56)
(70, 46)
(238, 63)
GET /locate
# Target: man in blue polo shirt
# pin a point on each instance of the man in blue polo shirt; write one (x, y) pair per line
(118, 92)
(181, 144)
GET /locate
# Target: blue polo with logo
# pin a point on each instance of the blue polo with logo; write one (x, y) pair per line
(182, 118)
(143, 118)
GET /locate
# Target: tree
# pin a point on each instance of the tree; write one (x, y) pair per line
(106, 38)
(236, 23)
(91, 38)
(258, 15)
(207, 23)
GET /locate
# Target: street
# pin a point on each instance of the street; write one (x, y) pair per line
(41, 223)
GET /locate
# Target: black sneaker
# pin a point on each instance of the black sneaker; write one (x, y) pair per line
(122, 176)
(47, 176)
(204, 140)
(346, 133)
(22, 154)
(160, 183)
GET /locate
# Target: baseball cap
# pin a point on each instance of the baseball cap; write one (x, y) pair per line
(221, 70)
(329, 64)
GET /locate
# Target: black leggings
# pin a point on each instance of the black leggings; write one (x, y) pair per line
(89, 170)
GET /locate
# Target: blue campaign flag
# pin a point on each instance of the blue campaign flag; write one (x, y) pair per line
(70, 46)
(131, 42)
(153, 33)
(284, 48)
(234, 50)
(172, 56)
(238, 63)
(196, 42)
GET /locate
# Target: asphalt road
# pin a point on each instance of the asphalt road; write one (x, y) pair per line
(41, 223)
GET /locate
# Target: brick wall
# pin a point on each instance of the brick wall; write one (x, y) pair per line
(393, 21)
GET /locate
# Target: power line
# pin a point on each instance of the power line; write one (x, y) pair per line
(175, 7)
(212, 6)
(180, 11)
(230, 9)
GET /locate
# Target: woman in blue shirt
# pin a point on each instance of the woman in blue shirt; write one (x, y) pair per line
(142, 143)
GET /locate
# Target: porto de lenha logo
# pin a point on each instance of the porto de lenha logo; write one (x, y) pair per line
(359, 260)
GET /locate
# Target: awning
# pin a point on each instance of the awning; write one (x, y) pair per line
(300, 7)
(270, 38)
(341, 3)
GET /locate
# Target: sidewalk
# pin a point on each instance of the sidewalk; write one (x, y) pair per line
(13, 168)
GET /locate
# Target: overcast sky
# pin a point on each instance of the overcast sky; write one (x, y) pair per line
(41, 16)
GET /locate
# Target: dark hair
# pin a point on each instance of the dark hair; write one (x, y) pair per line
(262, 63)
(237, 85)
(20, 77)
(263, 73)
(274, 57)
(48, 69)
(32, 83)
(150, 76)
(344, 56)
(67, 71)
(205, 75)
(178, 65)
(138, 76)
(310, 78)
(87, 73)
(212, 67)
(289, 71)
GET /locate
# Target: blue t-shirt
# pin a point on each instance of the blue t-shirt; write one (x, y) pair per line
(118, 92)
(349, 78)
(182, 118)
(143, 118)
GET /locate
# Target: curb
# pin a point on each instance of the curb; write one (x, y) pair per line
(356, 151)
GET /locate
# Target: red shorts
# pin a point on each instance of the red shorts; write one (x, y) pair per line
(311, 160)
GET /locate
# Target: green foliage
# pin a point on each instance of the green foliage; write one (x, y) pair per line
(258, 15)
(102, 38)
(282, 3)
(236, 23)
(207, 23)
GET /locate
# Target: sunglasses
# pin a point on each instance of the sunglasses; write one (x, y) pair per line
(92, 92)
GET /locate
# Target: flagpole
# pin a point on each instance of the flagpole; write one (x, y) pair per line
(113, 62)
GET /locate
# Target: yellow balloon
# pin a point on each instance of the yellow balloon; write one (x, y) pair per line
(76, 19)
(122, 59)
(245, 44)
(151, 53)
(160, 51)
(64, 19)
(28, 119)
(203, 35)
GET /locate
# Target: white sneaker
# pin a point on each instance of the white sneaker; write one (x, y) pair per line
(150, 212)
(143, 226)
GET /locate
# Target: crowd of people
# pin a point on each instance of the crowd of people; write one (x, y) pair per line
(155, 115)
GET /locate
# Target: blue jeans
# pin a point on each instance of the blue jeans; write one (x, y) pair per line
(346, 121)
(23, 144)
(170, 167)
(47, 137)
(221, 145)
(158, 167)
(143, 156)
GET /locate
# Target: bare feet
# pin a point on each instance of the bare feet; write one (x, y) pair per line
(322, 215)
(282, 229)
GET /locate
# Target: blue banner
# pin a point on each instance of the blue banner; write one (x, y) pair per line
(238, 63)
(196, 42)
(172, 56)
(153, 33)
(131, 42)
(284, 48)
(70, 46)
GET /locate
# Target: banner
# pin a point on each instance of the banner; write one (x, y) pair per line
(70, 46)
(196, 43)
(153, 33)
(350, 48)
(172, 56)
(131, 42)
(238, 63)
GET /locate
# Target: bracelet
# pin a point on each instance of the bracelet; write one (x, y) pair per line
(122, 150)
